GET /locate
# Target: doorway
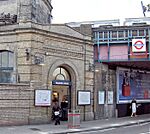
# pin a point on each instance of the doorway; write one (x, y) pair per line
(61, 91)
(62, 95)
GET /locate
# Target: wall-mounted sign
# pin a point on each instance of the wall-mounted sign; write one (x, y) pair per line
(61, 82)
(101, 97)
(138, 45)
(110, 97)
(42, 97)
(84, 97)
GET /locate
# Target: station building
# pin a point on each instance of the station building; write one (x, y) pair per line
(122, 65)
(41, 62)
(98, 67)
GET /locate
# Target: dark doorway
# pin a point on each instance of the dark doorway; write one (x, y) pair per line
(62, 93)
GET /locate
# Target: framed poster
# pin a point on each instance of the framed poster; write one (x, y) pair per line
(110, 97)
(42, 97)
(132, 84)
(84, 97)
(101, 97)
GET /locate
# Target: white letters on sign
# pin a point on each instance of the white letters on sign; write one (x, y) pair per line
(138, 45)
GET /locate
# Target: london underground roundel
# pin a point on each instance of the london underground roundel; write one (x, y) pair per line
(138, 45)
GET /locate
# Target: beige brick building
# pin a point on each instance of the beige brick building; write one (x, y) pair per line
(29, 41)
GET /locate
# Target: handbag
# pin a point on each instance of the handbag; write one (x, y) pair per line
(56, 113)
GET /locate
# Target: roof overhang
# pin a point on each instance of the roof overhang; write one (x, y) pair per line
(143, 65)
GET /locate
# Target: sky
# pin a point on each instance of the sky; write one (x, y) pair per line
(65, 11)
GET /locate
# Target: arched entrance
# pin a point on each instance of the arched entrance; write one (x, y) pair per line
(71, 75)
(61, 90)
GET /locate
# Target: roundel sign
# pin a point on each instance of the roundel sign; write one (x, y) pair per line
(138, 45)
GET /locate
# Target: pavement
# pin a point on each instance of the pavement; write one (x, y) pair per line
(84, 126)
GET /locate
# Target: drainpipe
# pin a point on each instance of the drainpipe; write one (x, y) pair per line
(149, 42)
(84, 75)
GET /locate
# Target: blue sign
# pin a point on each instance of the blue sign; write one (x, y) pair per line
(61, 82)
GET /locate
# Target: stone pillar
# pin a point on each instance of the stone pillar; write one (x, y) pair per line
(104, 82)
(24, 10)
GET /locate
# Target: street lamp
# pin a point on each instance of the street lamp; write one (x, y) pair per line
(27, 54)
(38, 59)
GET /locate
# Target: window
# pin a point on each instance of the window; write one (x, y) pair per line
(6, 66)
(134, 32)
(61, 74)
(114, 34)
(100, 35)
(141, 32)
(120, 34)
(106, 35)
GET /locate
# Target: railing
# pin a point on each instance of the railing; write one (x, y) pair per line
(118, 36)
(7, 18)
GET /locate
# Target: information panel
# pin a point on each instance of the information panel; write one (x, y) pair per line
(84, 97)
(42, 97)
(110, 97)
(101, 97)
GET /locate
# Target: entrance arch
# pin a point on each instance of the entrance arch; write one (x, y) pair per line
(74, 78)
(61, 90)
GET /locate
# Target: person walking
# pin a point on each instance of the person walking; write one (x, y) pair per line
(133, 107)
(56, 112)
(64, 108)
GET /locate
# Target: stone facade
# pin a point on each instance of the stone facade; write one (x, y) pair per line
(59, 45)
(31, 37)
(105, 80)
(38, 11)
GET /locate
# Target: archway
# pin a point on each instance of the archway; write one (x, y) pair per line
(68, 84)
(61, 90)
(74, 77)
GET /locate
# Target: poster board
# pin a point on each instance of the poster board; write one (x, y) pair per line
(84, 97)
(101, 97)
(110, 97)
(42, 97)
(132, 84)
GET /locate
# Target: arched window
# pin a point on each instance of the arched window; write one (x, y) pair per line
(6, 66)
(61, 74)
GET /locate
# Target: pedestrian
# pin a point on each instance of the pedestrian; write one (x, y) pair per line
(133, 107)
(56, 112)
(64, 108)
